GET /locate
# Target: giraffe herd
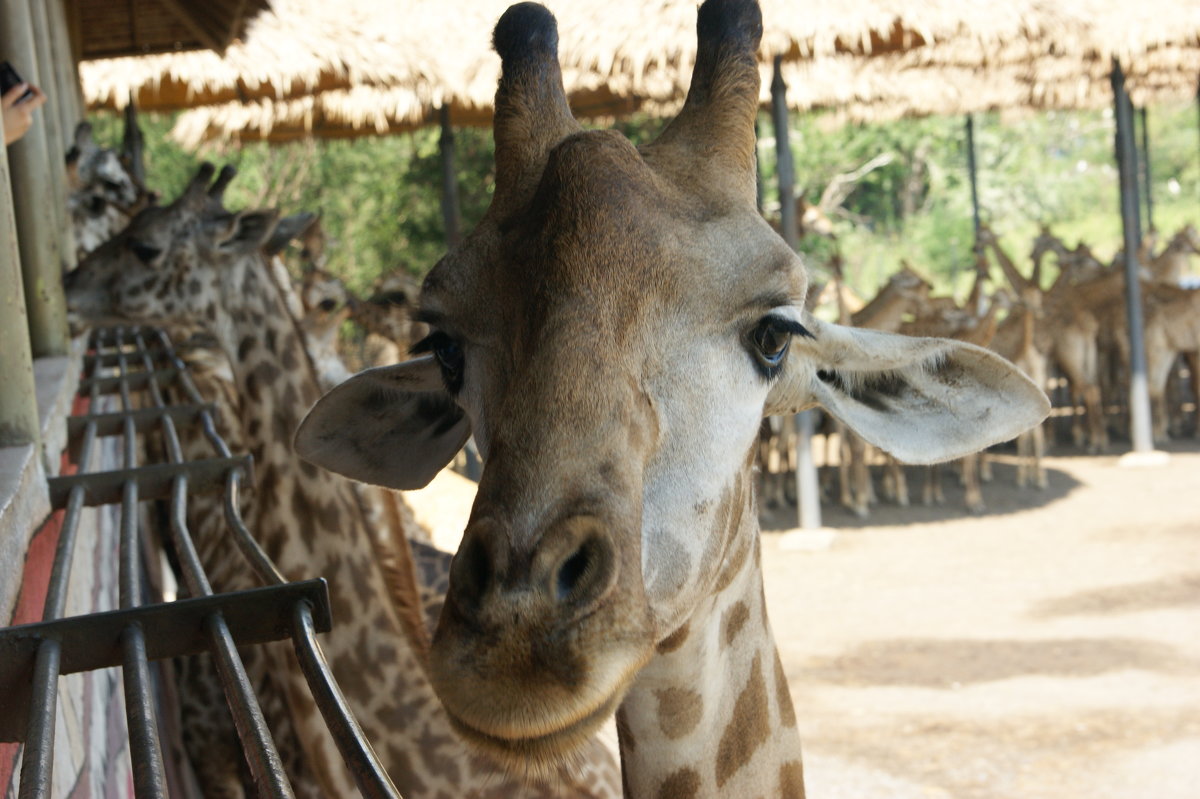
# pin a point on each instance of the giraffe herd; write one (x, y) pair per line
(611, 335)
(1073, 325)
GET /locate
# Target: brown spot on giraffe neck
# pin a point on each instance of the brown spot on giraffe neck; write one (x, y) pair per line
(791, 780)
(673, 641)
(727, 528)
(733, 620)
(679, 711)
(748, 727)
(683, 784)
(783, 697)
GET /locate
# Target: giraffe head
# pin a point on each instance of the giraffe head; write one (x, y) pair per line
(326, 302)
(612, 333)
(1046, 242)
(1186, 240)
(167, 264)
(102, 194)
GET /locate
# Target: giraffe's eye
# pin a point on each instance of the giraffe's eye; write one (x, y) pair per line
(327, 305)
(145, 252)
(449, 355)
(769, 340)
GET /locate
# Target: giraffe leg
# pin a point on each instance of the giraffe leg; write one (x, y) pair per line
(974, 495)
(985, 467)
(1039, 449)
(1193, 363)
(931, 475)
(1023, 459)
(899, 482)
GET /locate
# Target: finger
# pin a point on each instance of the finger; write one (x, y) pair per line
(11, 96)
(38, 99)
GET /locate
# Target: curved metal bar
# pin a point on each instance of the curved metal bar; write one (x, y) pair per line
(372, 779)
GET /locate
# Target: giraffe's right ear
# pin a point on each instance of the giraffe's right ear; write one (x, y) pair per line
(394, 426)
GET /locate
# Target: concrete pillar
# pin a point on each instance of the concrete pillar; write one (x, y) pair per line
(33, 198)
(18, 399)
(57, 135)
(67, 74)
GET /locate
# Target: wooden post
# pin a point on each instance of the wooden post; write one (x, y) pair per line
(808, 495)
(972, 171)
(451, 216)
(33, 199)
(18, 398)
(1139, 395)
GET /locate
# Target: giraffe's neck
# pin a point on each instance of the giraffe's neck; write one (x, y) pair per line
(313, 523)
(711, 714)
(884, 312)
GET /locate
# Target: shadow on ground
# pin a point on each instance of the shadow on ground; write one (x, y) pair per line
(940, 663)
(1170, 592)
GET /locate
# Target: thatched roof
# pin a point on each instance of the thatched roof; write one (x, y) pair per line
(304, 46)
(105, 28)
(386, 67)
(297, 47)
(906, 85)
(857, 90)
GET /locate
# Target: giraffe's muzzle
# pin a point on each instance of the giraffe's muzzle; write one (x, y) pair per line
(535, 649)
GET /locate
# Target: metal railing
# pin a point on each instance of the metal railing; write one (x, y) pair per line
(140, 365)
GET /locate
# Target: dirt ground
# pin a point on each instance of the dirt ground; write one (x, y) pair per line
(1048, 649)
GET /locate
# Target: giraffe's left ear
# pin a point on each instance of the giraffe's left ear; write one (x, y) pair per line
(923, 400)
(288, 228)
(394, 426)
(246, 231)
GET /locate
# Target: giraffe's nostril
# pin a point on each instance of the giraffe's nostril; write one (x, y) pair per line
(570, 573)
(471, 573)
(584, 576)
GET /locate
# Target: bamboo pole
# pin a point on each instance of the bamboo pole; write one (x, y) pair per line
(18, 397)
(1126, 153)
(808, 496)
(33, 198)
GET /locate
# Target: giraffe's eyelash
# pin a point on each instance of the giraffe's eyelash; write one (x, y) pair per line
(448, 354)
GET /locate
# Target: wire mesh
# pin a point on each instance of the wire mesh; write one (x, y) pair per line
(140, 366)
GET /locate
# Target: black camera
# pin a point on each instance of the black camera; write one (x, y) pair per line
(10, 78)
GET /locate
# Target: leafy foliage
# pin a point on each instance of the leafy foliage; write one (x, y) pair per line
(381, 197)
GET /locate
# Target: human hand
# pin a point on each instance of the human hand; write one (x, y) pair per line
(18, 116)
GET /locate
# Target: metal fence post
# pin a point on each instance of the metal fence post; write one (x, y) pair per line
(1126, 147)
(41, 259)
(808, 496)
(451, 215)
